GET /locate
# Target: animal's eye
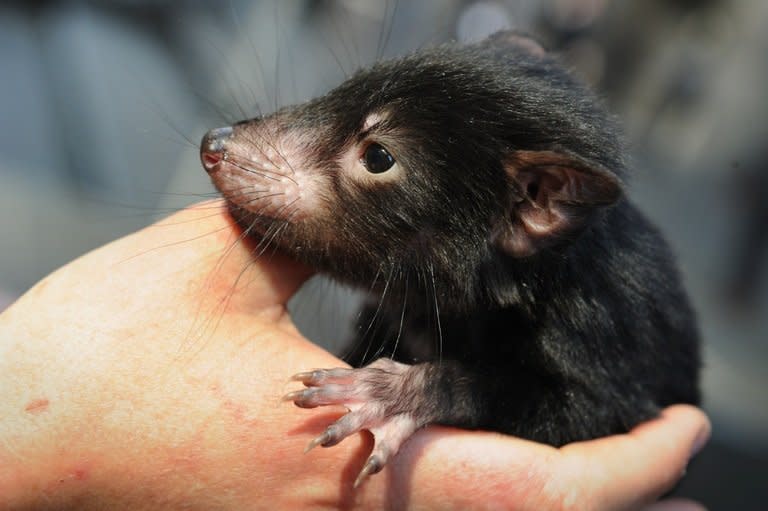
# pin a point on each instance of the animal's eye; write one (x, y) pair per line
(377, 159)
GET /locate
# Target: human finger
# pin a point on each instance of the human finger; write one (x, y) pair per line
(632, 470)
(676, 505)
(207, 235)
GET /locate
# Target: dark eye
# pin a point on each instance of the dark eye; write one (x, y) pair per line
(377, 159)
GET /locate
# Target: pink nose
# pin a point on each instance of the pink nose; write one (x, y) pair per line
(213, 147)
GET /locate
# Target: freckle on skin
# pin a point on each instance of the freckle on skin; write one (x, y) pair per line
(79, 474)
(37, 406)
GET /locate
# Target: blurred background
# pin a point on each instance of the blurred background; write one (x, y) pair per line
(102, 104)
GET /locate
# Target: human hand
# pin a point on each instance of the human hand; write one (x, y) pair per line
(147, 375)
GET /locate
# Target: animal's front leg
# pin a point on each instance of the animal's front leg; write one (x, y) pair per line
(390, 399)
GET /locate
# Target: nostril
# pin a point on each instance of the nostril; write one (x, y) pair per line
(210, 159)
(213, 145)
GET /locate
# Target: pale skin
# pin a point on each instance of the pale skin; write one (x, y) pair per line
(140, 377)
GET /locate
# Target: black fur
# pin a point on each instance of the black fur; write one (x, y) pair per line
(587, 336)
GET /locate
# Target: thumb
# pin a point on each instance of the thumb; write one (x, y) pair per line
(236, 263)
(628, 471)
(676, 505)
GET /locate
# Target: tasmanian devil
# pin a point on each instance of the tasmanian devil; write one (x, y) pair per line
(476, 191)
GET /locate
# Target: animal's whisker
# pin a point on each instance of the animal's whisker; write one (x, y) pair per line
(476, 191)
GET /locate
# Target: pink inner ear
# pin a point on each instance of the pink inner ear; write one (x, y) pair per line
(541, 221)
(544, 185)
(562, 177)
(558, 191)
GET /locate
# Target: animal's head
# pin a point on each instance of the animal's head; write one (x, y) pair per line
(424, 168)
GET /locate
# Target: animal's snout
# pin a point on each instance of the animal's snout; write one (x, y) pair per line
(213, 147)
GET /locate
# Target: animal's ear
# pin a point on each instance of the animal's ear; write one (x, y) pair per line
(552, 196)
(514, 40)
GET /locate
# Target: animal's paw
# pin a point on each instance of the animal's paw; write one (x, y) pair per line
(382, 397)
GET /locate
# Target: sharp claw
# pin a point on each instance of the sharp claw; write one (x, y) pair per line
(302, 377)
(292, 396)
(320, 440)
(372, 466)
